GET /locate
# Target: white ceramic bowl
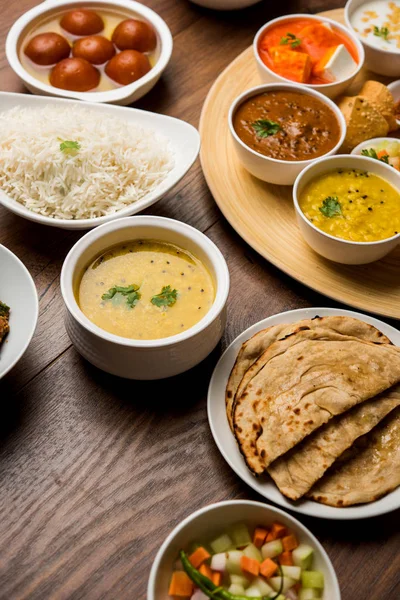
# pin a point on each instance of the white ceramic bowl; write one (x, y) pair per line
(211, 521)
(328, 89)
(225, 4)
(333, 248)
(144, 359)
(122, 95)
(394, 88)
(184, 140)
(18, 291)
(272, 170)
(372, 143)
(380, 61)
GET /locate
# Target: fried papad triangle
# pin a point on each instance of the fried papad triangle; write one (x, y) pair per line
(367, 471)
(302, 385)
(296, 471)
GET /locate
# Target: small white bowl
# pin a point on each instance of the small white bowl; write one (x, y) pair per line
(394, 89)
(211, 521)
(225, 4)
(273, 170)
(372, 143)
(383, 62)
(328, 89)
(144, 359)
(328, 246)
(18, 291)
(121, 95)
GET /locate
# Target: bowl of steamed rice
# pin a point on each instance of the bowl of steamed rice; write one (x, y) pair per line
(77, 166)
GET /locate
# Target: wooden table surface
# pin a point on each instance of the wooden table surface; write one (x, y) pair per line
(95, 471)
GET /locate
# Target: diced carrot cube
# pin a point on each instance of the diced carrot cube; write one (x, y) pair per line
(216, 578)
(286, 558)
(206, 571)
(268, 568)
(199, 556)
(290, 542)
(181, 585)
(271, 536)
(259, 536)
(250, 565)
(279, 530)
(381, 153)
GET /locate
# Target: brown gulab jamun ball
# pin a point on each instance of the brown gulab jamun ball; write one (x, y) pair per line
(82, 21)
(132, 34)
(75, 75)
(128, 66)
(94, 48)
(47, 48)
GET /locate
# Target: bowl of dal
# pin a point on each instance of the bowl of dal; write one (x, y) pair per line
(348, 208)
(278, 129)
(145, 297)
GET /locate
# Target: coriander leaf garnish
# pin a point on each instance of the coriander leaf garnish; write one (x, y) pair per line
(4, 310)
(68, 145)
(265, 128)
(382, 32)
(167, 297)
(291, 39)
(371, 153)
(331, 207)
(130, 291)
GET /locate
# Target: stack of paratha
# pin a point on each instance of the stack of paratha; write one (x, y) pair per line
(316, 405)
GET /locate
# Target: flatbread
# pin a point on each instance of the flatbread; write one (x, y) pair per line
(380, 97)
(296, 471)
(370, 469)
(363, 121)
(303, 385)
(254, 347)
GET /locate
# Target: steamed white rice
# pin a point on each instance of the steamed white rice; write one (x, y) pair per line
(118, 163)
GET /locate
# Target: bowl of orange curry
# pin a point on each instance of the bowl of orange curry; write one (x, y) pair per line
(309, 50)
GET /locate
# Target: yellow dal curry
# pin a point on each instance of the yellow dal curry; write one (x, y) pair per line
(146, 290)
(352, 204)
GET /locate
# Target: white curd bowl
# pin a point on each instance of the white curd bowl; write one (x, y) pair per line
(378, 60)
(144, 359)
(328, 246)
(328, 89)
(272, 170)
(121, 95)
(211, 521)
(18, 291)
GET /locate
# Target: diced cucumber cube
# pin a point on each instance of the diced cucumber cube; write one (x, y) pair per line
(240, 535)
(252, 552)
(303, 556)
(240, 580)
(288, 582)
(233, 562)
(253, 592)
(262, 586)
(272, 549)
(292, 572)
(309, 594)
(312, 579)
(218, 562)
(236, 589)
(221, 544)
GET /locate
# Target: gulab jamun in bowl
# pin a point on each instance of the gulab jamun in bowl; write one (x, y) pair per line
(99, 50)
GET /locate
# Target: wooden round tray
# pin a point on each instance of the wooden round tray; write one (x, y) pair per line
(263, 214)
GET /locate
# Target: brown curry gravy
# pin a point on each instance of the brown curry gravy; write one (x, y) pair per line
(309, 128)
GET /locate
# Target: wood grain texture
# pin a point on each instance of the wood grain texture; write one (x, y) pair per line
(263, 214)
(96, 471)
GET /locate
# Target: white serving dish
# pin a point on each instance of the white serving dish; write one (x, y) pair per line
(225, 4)
(18, 291)
(122, 95)
(332, 90)
(272, 170)
(372, 143)
(184, 139)
(211, 521)
(383, 62)
(328, 246)
(228, 447)
(144, 359)
(394, 88)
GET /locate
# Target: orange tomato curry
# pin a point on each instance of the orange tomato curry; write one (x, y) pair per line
(294, 48)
